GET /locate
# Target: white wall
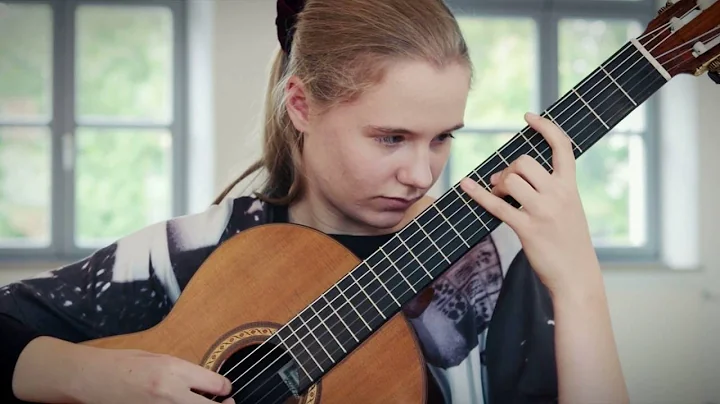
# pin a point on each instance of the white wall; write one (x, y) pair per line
(666, 322)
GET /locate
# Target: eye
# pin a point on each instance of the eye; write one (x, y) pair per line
(445, 136)
(390, 140)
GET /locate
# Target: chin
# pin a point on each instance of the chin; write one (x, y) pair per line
(386, 219)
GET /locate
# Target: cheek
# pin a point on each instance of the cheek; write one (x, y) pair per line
(363, 166)
(438, 160)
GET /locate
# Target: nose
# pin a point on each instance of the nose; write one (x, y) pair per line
(417, 172)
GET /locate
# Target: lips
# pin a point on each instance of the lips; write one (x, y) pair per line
(397, 203)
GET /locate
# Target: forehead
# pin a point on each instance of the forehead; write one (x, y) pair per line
(417, 96)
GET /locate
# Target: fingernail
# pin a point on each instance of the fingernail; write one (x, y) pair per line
(532, 116)
(470, 183)
(493, 178)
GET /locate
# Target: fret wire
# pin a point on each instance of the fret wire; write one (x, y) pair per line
(465, 202)
(354, 309)
(431, 240)
(527, 140)
(451, 225)
(383, 283)
(289, 350)
(322, 346)
(594, 131)
(366, 295)
(592, 134)
(502, 158)
(471, 209)
(401, 275)
(332, 334)
(480, 177)
(340, 317)
(619, 86)
(576, 116)
(591, 110)
(416, 258)
(563, 131)
(310, 354)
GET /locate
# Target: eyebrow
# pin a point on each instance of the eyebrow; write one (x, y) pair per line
(403, 131)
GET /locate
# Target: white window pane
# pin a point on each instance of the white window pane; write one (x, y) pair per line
(25, 61)
(611, 180)
(584, 45)
(123, 182)
(24, 187)
(124, 66)
(503, 51)
(470, 149)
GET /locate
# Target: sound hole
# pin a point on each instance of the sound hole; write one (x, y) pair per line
(261, 374)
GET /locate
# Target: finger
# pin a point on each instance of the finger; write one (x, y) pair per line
(493, 204)
(229, 401)
(204, 380)
(563, 159)
(529, 169)
(516, 186)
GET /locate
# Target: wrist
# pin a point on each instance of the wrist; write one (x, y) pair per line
(51, 370)
(581, 289)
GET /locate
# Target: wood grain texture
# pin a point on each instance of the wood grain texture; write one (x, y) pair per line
(674, 50)
(268, 274)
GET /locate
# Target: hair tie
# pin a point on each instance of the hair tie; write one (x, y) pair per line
(287, 11)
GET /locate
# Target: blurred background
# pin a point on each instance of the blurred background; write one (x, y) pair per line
(115, 114)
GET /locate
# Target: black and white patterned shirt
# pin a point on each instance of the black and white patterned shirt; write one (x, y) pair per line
(485, 326)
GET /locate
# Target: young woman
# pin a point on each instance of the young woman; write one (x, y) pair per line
(363, 99)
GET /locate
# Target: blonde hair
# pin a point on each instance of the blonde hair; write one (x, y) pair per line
(339, 48)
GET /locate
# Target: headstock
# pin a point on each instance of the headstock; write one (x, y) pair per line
(685, 38)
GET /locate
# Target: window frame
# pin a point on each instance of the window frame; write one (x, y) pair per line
(62, 124)
(547, 16)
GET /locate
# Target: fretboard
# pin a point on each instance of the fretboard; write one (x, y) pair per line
(349, 312)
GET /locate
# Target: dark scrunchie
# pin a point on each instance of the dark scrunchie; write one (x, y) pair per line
(287, 11)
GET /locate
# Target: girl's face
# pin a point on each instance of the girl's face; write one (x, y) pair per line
(369, 160)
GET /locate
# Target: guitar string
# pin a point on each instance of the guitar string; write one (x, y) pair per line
(656, 30)
(375, 317)
(589, 137)
(336, 313)
(536, 133)
(686, 43)
(277, 385)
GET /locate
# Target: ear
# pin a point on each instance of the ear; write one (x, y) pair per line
(297, 104)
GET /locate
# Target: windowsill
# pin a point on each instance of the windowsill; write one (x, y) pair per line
(653, 267)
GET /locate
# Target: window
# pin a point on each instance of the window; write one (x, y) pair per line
(91, 130)
(526, 57)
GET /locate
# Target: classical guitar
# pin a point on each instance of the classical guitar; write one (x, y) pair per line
(312, 323)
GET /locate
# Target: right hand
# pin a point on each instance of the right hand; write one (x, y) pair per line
(138, 377)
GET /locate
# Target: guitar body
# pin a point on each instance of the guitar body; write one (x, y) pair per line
(257, 281)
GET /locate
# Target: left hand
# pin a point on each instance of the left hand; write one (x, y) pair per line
(551, 225)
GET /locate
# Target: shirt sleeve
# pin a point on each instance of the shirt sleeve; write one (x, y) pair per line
(127, 286)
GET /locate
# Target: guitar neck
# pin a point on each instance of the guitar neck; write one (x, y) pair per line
(359, 304)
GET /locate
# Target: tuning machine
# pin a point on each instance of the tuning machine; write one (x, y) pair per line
(713, 70)
(667, 5)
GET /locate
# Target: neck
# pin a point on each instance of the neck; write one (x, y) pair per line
(315, 211)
